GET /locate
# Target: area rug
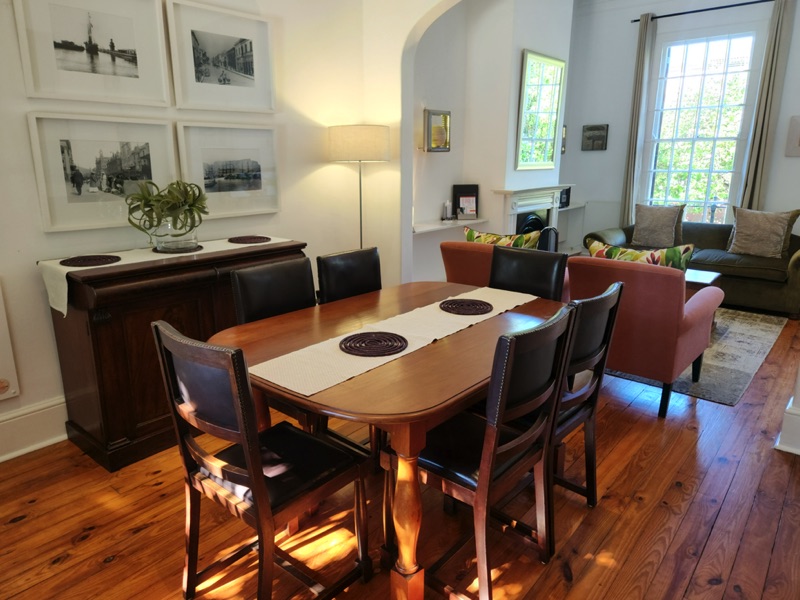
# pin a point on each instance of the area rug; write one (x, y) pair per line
(740, 341)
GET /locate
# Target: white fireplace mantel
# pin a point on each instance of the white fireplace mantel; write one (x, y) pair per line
(529, 200)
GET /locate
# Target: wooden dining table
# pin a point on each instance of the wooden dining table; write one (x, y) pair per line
(405, 397)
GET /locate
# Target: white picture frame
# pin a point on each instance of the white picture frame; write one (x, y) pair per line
(112, 154)
(119, 57)
(235, 164)
(221, 59)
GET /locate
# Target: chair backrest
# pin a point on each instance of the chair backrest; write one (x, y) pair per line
(594, 325)
(651, 311)
(526, 383)
(548, 239)
(208, 389)
(467, 262)
(346, 274)
(529, 271)
(272, 289)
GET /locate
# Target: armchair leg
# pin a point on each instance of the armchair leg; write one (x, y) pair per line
(697, 364)
(666, 392)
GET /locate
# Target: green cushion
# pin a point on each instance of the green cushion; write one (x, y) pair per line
(677, 257)
(521, 240)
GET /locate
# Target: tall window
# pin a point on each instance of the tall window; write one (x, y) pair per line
(699, 133)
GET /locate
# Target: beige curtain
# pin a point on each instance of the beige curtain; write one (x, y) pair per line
(769, 95)
(647, 27)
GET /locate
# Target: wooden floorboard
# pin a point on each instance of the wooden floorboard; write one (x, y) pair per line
(697, 506)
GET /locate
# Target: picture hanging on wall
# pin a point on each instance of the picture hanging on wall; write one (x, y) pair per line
(437, 130)
(94, 50)
(595, 137)
(793, 137)
(221, 59)
(86, 165)
(236, 164)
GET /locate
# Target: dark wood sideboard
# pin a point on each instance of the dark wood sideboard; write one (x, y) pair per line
(116, 405)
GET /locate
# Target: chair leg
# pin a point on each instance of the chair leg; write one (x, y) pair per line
(543, 486)
(480, 516)
(192, 540)
(360, 519)
(697, 364)
(666, 392)
(389, 550)
(560, 458)
(266, 566)
(590, 454)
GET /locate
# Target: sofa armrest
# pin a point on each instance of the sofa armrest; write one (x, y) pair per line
(614, 236)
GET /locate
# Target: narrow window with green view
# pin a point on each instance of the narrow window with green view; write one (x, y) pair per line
(701, 122)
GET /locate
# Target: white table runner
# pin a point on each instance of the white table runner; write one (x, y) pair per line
(55, 274)
(323, 365)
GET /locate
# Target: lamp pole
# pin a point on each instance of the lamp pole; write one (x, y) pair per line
(360, 210)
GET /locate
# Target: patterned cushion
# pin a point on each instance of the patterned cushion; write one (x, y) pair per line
(522, 240)
(658, 226)
(677, 256)
(761, 233)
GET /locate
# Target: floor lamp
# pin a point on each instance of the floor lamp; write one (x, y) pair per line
(359, 143)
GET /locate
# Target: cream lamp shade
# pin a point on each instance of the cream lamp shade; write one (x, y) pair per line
(358, 143)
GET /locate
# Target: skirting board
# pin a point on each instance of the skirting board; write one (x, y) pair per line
(32, 427)
(789, 437)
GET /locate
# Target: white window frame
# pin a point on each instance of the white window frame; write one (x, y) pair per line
(752, 20)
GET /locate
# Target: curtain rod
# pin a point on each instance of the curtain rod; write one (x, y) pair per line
(700, 10)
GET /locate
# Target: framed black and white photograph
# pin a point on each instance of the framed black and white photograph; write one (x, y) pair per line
(86, 165)
(221, 59)
(236, 164)
(94, 50)
(594, 137)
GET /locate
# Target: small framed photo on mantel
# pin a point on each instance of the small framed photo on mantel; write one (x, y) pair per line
(465, 202)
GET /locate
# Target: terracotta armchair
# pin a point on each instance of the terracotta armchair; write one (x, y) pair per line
(658, 333)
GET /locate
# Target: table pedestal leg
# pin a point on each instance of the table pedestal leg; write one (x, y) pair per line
(408, 578)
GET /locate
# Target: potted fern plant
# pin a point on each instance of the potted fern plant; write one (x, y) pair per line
(170, 215)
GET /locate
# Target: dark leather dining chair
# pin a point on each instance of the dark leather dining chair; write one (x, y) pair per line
(480, 460)
(268, 476)
(272, 289)
(529, 271)
(594, 326)
(347, 274)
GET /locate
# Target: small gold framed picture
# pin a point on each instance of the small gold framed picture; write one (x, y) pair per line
(437, 130)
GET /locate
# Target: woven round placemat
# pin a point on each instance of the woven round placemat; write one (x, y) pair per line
(178, 250)
(373, 343)
(90, 260)
(466, 306)
(249, 239)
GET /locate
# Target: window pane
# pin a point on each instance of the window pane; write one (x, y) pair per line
(735, 88)
(724, 155)
(731, 121)
(702, 155)
(682, 156)
(698, 186)
(695, 59)
(667, 129)
(720, 186)
(717, 56)
(659, 188)
(712, 90)
(687, 123)
(740, 53)
(674, 59)
(677, 186)
(691, 91)
(707, 127)
(672, 93)
(663, 155)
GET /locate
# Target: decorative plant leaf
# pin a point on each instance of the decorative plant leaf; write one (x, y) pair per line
(181, 203)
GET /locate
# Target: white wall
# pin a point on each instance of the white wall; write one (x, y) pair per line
(601, 66)
(335, 63)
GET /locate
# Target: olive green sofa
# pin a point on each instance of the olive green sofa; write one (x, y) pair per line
(752, 282)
